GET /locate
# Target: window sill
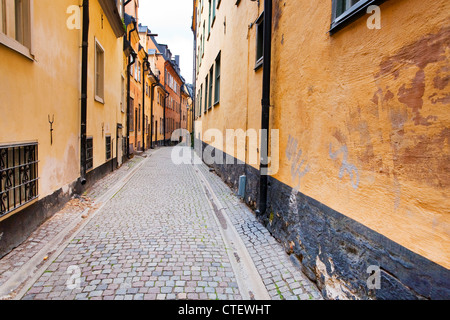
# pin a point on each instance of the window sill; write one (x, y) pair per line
(16, 46)
(98, 99)
(259, 64)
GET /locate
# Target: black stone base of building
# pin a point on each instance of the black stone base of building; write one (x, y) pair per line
(333, 250)
(18, 227)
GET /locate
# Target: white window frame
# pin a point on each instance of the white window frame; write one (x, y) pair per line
(25, 46)
(99, 98)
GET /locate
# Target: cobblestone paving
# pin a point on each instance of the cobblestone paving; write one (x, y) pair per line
(12, 262)
(157, 238)
(282, 279)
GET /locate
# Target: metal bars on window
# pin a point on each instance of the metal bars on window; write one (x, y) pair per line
(18, 176)
(89, 154)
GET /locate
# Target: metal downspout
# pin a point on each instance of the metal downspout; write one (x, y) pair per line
(84, 75)
(265, 112)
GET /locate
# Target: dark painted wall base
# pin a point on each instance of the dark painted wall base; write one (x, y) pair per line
(18, 227)
(313, 234)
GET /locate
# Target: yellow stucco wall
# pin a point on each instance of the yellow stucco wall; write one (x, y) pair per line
(103, 117)
(33, 90)
(368, 109)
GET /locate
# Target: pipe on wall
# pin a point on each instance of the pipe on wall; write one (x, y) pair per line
(84, 75)
(265, 111)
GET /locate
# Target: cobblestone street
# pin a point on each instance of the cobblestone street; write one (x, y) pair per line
(158, 237)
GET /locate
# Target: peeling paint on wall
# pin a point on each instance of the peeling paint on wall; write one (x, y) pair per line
(335, 288)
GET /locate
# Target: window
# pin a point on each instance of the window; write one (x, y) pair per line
(108, 148)
(18, 176)
(203, 43)
(206, 93)
(200, 103)
(89, 153)
(131, 114)
(136, 71)
(217, 82)
(139, 118)
(259, 41)
(210, 87)
(213, 12)
(346, 11)
(15, 25)
(139, 72)
(99, 72)
(343, 5)
(122, 98)
(210, 18)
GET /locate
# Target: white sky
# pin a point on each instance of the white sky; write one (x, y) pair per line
(171, 20)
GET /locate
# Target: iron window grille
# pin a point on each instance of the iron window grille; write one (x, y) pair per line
(108, 147)
(89, 153)
(18, 176)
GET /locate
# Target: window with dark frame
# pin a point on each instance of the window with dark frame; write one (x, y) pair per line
(89, 153)
(217, 82)
(211, 77)
(206, 93)
(18, 176)
(346, 11)
(259, 41)
(108, 147)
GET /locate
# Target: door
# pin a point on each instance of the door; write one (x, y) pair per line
(119, 147)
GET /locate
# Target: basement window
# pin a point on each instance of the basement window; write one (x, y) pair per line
(346, 11)
(18, 176)
(89, 153)
(108, 148)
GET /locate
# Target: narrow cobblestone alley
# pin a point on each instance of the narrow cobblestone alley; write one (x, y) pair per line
(158, 238)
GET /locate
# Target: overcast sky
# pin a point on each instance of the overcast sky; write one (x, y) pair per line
(171, 20)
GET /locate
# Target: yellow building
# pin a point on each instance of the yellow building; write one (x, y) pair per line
(359, 154)
(58, 63)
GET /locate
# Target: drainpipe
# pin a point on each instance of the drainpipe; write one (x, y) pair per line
(130, 63)
(165, 102)
(265, 103)
(145, 64)
(152, 96)
(84, 74)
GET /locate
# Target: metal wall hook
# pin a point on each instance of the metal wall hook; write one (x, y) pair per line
(51, 128)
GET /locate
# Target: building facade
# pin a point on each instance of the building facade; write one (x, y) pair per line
(60, 102)
(358, 172)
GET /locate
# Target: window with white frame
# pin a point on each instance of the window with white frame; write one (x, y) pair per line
(15, 25)
(99, 72)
